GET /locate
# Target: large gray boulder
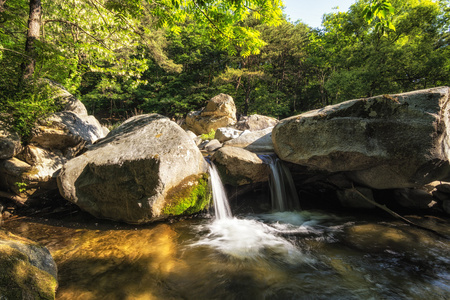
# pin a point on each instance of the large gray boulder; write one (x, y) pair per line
(147, 169)
(28, 271)
(389, 141)
(238, 166)
(220, 111)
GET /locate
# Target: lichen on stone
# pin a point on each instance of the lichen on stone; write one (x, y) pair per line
(192, 195)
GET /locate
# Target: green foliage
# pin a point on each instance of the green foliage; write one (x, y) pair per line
(34, 102)
(208, 136)
(22, 186)
(123, 57)
(378, 11)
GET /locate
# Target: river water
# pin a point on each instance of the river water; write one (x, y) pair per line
(284, 255)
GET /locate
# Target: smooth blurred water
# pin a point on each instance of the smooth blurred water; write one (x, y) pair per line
(221, 206)
(283, 255)
(282, 188)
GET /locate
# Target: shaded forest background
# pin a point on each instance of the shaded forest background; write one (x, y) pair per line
(122, 61)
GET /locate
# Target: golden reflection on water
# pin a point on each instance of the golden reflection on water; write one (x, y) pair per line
(118, 264)
(114, 261)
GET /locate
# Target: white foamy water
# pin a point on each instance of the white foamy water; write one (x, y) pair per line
(221, 207)
(304, 223)
(250, 239)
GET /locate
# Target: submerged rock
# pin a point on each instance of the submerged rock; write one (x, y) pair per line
(220, 111)
(147, 169)
(383, 142)
(28, 271)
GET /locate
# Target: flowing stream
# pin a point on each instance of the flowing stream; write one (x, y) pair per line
(279, 255)
(283, 193)
(221, 206)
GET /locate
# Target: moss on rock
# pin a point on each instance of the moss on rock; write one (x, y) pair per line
(19, 279)
(190, 196)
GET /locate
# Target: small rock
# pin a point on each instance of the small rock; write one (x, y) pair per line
(256, 122)
(212, 145)
(224, 134)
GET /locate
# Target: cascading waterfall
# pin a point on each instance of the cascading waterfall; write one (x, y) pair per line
(243, 238)
(221, 207)
(282, 188)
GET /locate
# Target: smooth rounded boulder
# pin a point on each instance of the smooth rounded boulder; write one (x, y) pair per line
(145, 170)
(383, 142)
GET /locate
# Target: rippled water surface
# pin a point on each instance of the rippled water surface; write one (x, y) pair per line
(289, 255)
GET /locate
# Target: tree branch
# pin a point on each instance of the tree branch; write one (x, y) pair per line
(392, 213)
(24, 55)
(79, 27)
(210, 21)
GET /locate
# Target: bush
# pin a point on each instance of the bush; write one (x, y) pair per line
(208, 136)
(25, 107)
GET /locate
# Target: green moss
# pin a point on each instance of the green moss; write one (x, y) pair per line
(190, 196)
(21, 280)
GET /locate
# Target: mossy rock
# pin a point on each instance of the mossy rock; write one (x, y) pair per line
(21, 277)
(192, 195)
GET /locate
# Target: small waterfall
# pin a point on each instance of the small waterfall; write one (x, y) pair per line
(221, 207)
(282, 189)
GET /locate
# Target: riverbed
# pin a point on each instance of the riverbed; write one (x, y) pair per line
(280, 255)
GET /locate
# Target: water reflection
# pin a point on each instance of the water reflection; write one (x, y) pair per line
(288, 255)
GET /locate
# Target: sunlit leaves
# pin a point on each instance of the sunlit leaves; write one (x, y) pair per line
(379, 12)
(223, 20)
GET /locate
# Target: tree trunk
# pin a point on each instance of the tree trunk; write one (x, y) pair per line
(247, 99)
(34, 24)
(2, 5)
